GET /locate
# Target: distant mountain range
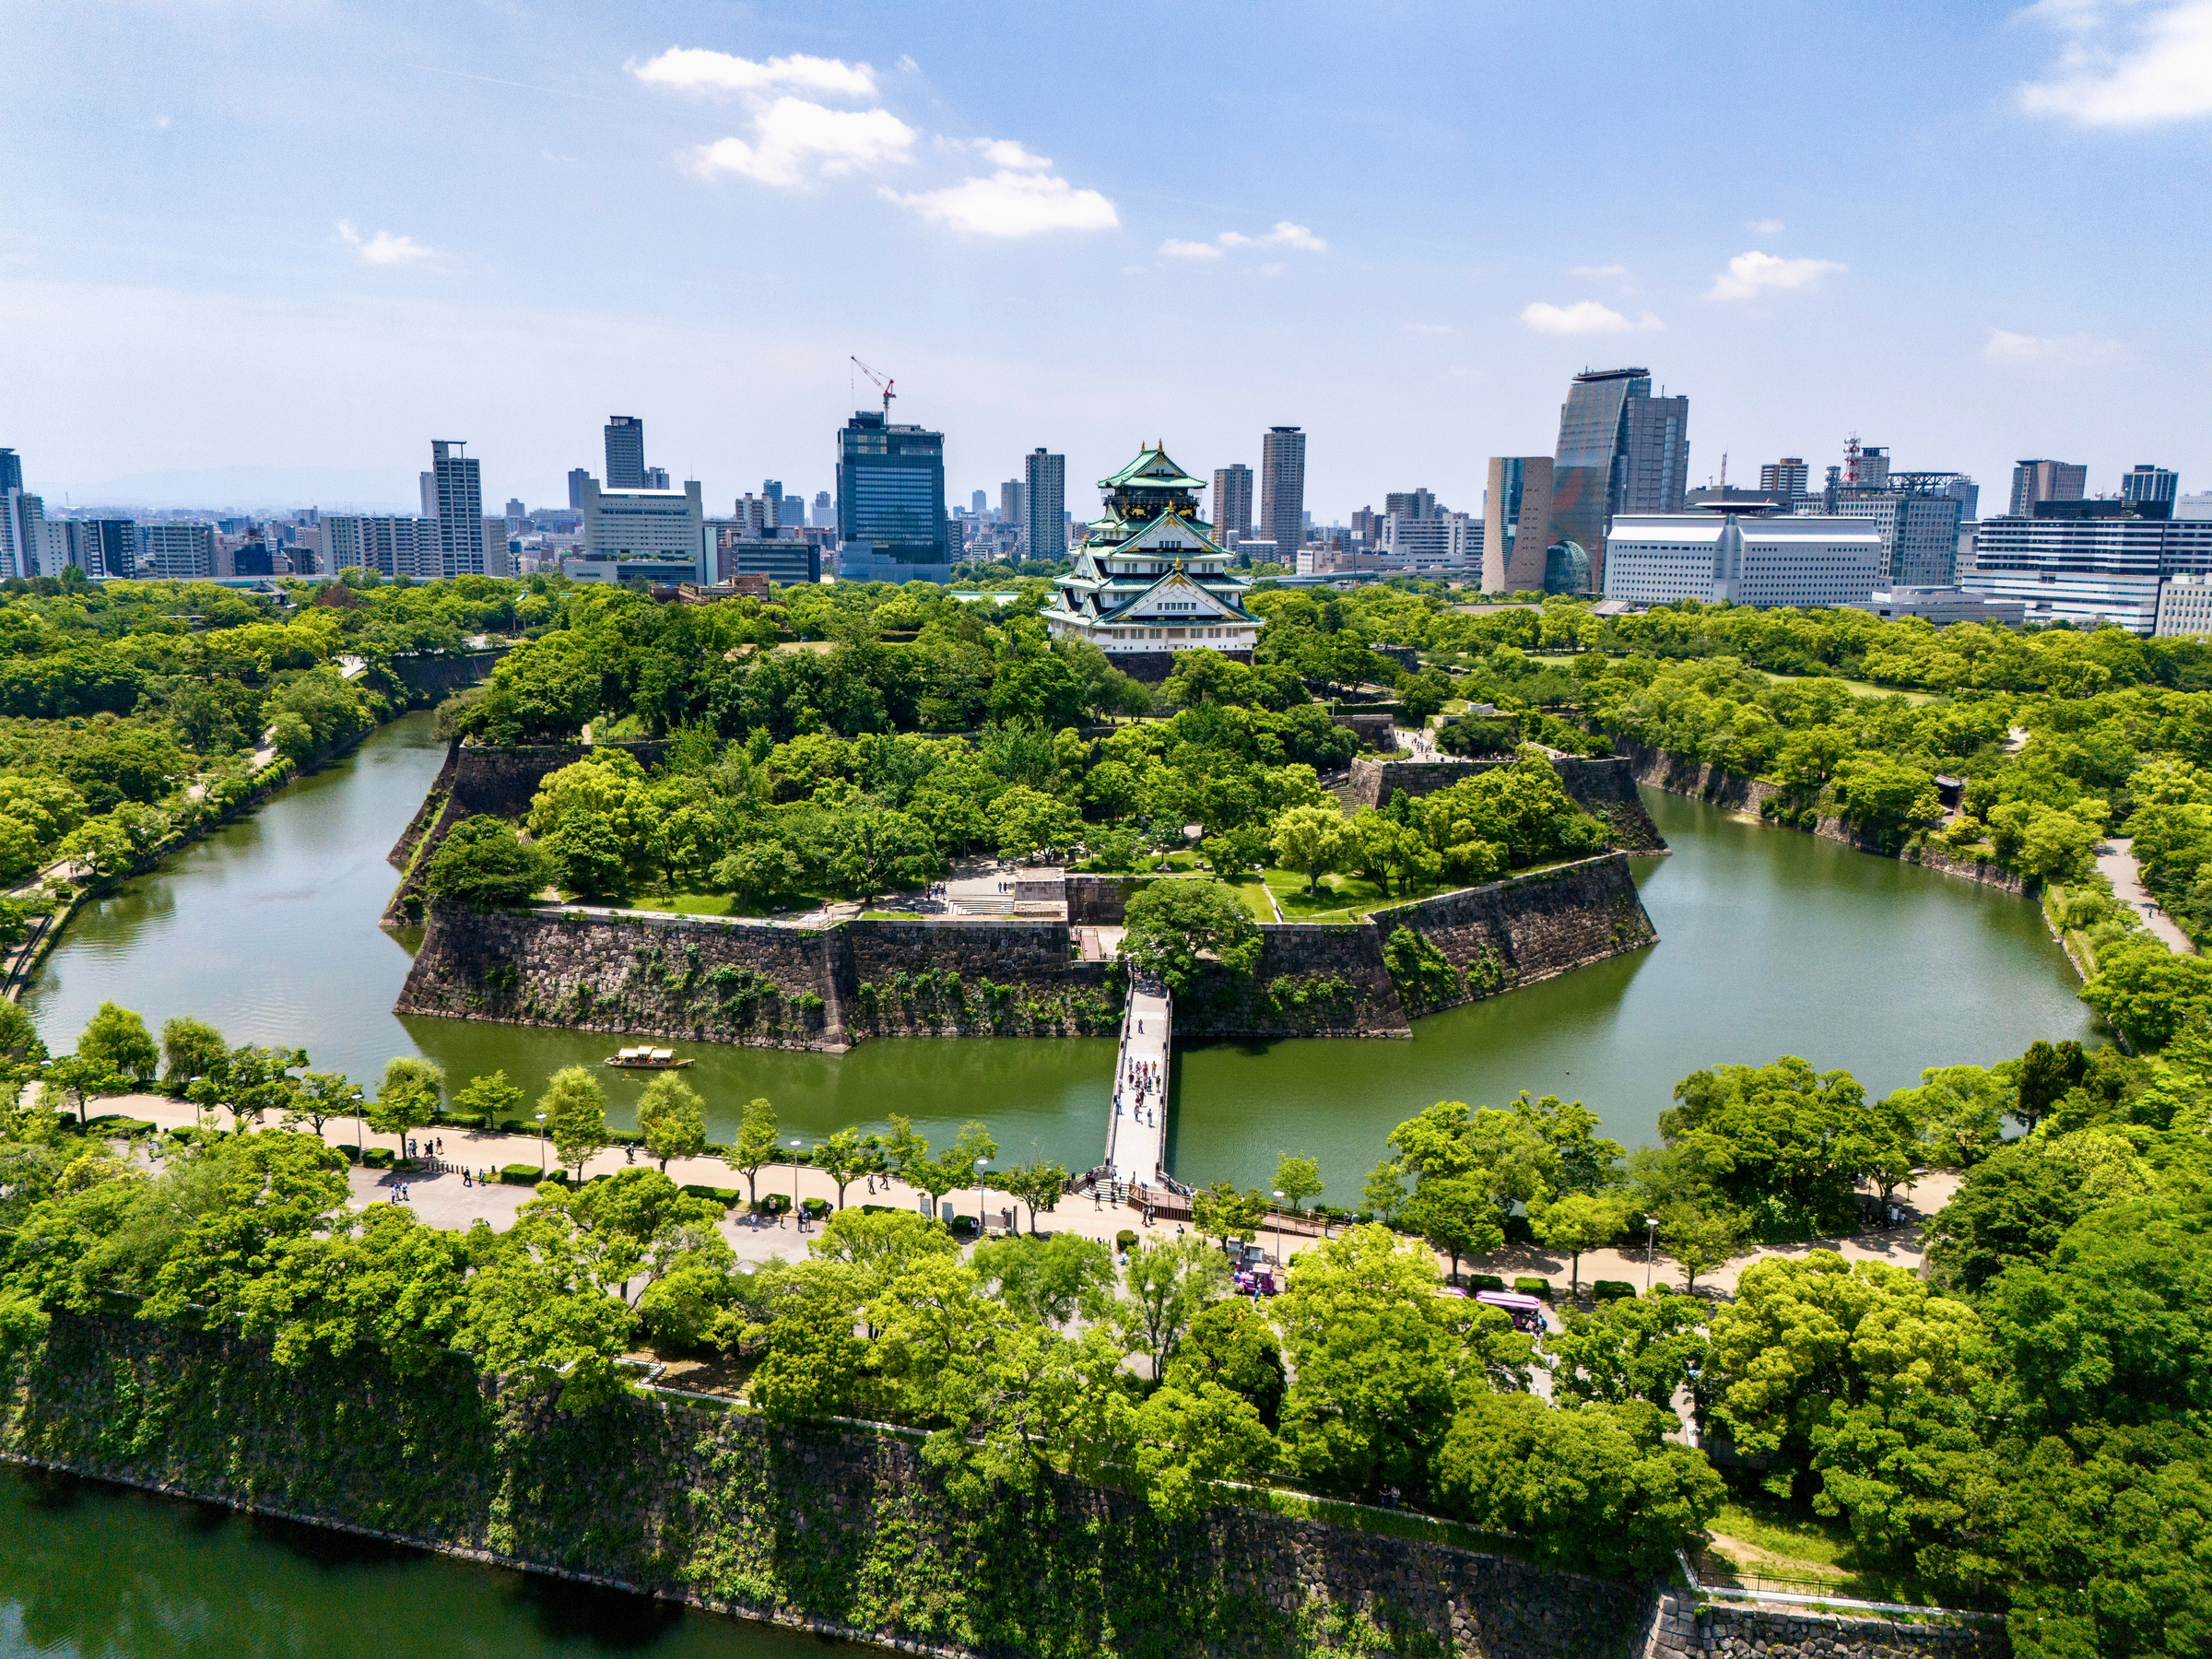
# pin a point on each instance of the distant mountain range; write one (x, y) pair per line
(252, 490)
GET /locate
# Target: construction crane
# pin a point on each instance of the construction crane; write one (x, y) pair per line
(882, 384)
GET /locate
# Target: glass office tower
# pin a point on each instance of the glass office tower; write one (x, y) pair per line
(1620, 450)
(890, 494)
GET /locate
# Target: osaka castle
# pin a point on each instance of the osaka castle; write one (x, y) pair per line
(1148, 579)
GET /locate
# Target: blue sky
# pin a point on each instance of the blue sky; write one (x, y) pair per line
(266, 251)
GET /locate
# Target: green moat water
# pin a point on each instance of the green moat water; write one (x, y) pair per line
(1771, 943)
(94, 1571)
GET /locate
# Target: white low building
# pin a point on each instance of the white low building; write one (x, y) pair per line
(656, 526)
(2185, 607)
(1806, 561)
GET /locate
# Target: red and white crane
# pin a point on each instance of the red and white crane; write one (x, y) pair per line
(883, 384)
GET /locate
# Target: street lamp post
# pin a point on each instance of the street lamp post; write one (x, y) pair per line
(1649, 1238)
(1278, 1230)
(798, 1219)
(979, 1198)
(541, 1143)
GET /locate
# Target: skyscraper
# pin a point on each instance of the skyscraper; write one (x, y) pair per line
(978, 503)
(1044, 499)
(457, 482)
(1410, 503)
(1516, 524)
(825, 510)
(1917, 516)
(624, 452)
(2034, 481)
(1232, 504)
(890, 500)
(11, 471)
(22, 533)
(1011, 512)
(578, 477)
(2149, 483)
(1620, 450)
(656, 478)
(1283, 491)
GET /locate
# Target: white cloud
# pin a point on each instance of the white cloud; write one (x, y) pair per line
(1750, 275)
(1769, 227)
(1599, 271)
(695, 69)
(384, 247)
(1583, 317)
(2051, 352)
(1009, 152)
(161, 122)
(1427, 328)
(2126, 68)
(1284, 235)
(907, 64)
(795, 142)
(1011, 204)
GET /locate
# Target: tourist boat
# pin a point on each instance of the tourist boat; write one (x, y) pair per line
(647, 1059)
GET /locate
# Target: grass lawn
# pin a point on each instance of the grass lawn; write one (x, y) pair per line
(890, 915)
(720, 904)
(1253, 892)
(1787, 1546)
(1340, 898)
(1856, 688)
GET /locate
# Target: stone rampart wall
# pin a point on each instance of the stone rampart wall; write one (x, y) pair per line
(1605, 789)
(433, 677)
(1153, 666)
(971, 979)
(1097, 900)
(1683, 1630)
(848, 1533)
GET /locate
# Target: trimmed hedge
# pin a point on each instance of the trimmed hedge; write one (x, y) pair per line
(1612, 1290)
(728, 1197)
(1533, 1287)
(815, 1208)
(527, 1175)
(1485, 1281)
(113, 1123)
(378, 1157)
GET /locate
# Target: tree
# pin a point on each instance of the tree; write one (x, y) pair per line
(645, 1228)
(906, 1154)
(755, 1145)
(1378, 1360)
(1957, 1113)
(1231, 1345)
(1050, 1280)
(406, 1097)
(2013, 1206)
(1311, 840)
(1786, 1144)
(589, 855)
(536, 1313)
(1036, 1183)
(2145, 992)
(78, 1079)
(844, 1158)
(1595, 1488)
(251, 1081)
(1637, 1347)
(1298, 1179)
(192, 1048)
(1576, 1222)
(1699, 1237)
(1885, 797)
(673, 1118)
(484, 864)
(1171, 922)
(489, 1095)
(575, 1110)
(1170, 1283)
(1221, 1212)
(115, 1040)
(320, 1096)
(956, 1166)
(2047, 1071)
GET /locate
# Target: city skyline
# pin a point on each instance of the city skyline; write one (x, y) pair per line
(1852, 280)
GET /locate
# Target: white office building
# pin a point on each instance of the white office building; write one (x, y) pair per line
(1804, 560)
(2090, 570)
(1436, 541)
(663, 527)
(2186, 607)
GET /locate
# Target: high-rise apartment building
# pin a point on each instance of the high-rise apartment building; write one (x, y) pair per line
(578, 478)
(1516, 524)
(890, 501)
(1012, 510)
(1410, 503)
(825, 510)
(457, 504)
(11, 471)
(624, 452)
(978, 503)
(1868, 467)
(1232, 504)
(1784, 481)
(1283, 489)
(1044, 499)
(656, 478)
(2145, 482)
(2034, 481)
(389, 544)
(101, 546)
(22, 533)
(178, 552)
(1620, 450)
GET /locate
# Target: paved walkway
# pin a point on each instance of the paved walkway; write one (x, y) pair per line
(442, 1200)
(1136, 1135)
(2116, 859)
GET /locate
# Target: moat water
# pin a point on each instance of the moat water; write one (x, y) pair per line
(1771, 943)
(95, 1572)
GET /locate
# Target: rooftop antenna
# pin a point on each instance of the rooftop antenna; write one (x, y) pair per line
(1850, 459)
(883, 384)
